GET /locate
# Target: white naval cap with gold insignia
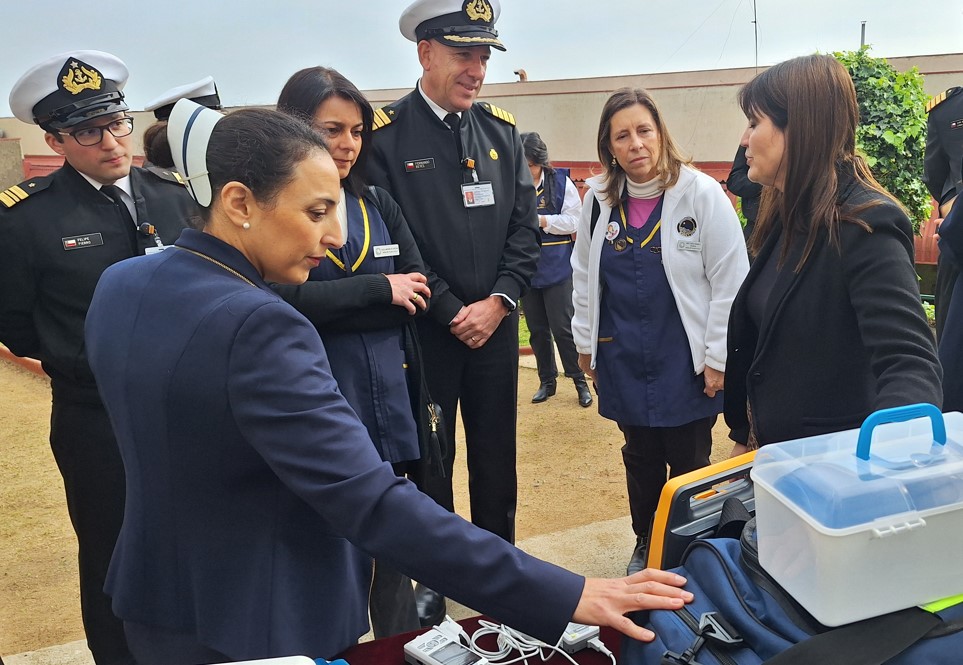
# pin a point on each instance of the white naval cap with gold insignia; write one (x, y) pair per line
(70, 88)
(203, 92)
(454, 23)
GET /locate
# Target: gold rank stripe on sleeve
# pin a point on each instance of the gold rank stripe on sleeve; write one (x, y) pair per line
(13, 196)
(501, 114)
(381, 118)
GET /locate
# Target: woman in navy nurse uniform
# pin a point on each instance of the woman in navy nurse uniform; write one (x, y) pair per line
(255, 496)
(361, 299)
(658, 258)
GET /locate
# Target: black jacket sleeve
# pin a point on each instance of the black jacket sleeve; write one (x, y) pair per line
(17, 291)
(360, 302)
(738, 181)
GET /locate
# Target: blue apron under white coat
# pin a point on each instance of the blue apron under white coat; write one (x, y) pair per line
(643, 362)
(369, 366)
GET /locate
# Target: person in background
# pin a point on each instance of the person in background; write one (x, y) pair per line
(57, 235)
(362, 300)
(828, 325)
(457, 169)
(951, 342)
(157, 152)
(255, 494)
(548, 305)
(748, 191)
(942, 173)
(658, 258)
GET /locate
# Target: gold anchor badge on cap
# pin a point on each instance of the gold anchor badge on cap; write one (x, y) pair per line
(77, 76)
(478, 10)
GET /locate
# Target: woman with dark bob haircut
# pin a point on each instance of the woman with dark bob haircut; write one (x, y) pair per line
(828, 326)
(255, 498)
(362, 300)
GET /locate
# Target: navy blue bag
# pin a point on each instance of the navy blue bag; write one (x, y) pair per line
(739, 617)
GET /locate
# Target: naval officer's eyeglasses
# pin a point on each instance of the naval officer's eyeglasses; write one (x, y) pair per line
(89, 136)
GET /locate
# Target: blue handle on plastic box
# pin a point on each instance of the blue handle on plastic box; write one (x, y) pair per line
(899, 414)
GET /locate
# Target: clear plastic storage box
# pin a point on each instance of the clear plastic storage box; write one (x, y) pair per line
(865, 522)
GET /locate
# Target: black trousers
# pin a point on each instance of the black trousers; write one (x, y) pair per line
(391, 599)
(946, 273)
(86, 452)
(646, 453)
(548, 313)
(483, 384)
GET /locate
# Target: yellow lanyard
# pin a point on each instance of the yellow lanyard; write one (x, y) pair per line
(625, 227)
(364, 249)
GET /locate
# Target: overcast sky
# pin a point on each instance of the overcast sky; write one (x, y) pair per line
(252, 46)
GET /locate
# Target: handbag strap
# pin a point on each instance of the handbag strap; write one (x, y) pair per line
(433, 455)
(868, 642)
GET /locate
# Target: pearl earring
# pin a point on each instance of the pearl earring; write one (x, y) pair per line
(246, 225)
(614, 162)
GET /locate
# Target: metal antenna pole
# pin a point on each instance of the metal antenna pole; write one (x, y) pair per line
(755, 30)
(862, 34)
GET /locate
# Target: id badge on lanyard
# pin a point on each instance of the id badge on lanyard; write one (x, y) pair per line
(476, 194)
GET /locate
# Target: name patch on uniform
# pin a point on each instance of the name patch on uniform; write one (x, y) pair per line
(381, 251)
(690, 246)
(82, 242)
(425, 164)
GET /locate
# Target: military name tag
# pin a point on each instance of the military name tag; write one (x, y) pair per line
(478, 194)
(82, 242)
(690, 246)
(425, 164)
(381, 251)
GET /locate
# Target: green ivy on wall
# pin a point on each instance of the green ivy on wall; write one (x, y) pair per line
(892, 127)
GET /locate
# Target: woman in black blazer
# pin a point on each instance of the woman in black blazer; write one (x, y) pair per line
(828, 326)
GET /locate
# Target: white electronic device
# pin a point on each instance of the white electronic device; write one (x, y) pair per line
(576, 637)
(435, 648)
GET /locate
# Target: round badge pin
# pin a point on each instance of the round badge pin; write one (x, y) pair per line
(612, 231)
(687, 227)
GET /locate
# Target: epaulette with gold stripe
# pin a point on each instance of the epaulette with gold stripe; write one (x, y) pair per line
(940, 98)
(170, 175)
(501, 114)
(14, 195)
(383, 117)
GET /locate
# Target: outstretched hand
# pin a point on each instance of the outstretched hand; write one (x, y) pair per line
(605, 602)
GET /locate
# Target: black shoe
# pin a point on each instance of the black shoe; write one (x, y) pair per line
(639, 556)
(584, 394)
(430, 605)
(546, 390)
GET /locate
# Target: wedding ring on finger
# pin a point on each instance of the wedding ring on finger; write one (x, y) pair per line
(415, 298)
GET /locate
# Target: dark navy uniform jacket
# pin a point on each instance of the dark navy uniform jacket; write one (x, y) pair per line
(57, 235)
(470, 253)
(254, 495)
(944, 145)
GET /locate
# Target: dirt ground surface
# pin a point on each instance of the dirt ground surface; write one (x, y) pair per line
(569, 467)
